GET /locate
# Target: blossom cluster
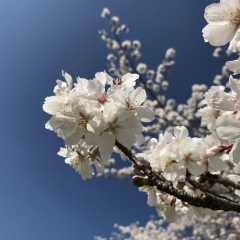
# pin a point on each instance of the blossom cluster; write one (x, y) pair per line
(93, 114)
(180, 158)
(187, 228)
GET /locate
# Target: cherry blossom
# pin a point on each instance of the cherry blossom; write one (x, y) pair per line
(223, 22)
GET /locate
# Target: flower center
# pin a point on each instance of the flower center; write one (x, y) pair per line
(62, 93)
(234, 16)
(113, 128)
(79, 120)
(102, 98)
(117, 81)
(187, 157)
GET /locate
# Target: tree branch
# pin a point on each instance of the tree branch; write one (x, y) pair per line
(224, 181)
(206, 200)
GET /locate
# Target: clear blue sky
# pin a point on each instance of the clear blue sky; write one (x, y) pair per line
(42, 197)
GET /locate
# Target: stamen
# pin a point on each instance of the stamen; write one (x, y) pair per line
(235, 16)
(102, 98)
(117, 81)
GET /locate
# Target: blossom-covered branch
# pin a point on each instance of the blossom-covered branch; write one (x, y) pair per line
(182, 171)
(206, 200)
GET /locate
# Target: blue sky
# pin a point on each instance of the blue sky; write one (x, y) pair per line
(41, 196)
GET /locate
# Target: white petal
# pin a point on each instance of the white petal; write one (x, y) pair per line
(63, 152)
(229, 133)
(195, 168)
(107, 142)
(235, 153)
(219, 35)
(68, 79)
(126, 137)
(145, 114)
(180, 132)
(129, 78)
(216, 165)
(75, 137)
(137, 97)
(216, 13)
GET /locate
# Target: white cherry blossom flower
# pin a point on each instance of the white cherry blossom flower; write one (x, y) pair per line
(127, 80)
(81, 158)
(120, 126)
(54, 103)
(223, 22)
(190, 151)
(131, 101)
(96, 95)
(227, 101)
(73, 121)
(213, 154)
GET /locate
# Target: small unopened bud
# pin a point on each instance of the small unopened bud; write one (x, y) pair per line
(141, 68)
(114, 20)
(139, 181)
(136, 44)
(105, 12)
(170, 53)
(136, 54)
(217, 52)
(164, 85)
(150, 73)
(124, 28)
(213, 151)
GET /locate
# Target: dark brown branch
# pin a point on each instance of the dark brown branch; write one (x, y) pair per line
(226, 182)
(204, 189)
(206, 200)
(218, 179)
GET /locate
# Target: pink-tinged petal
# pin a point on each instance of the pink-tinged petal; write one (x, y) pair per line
(107, 142)
(235, 153)
(126, 137)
